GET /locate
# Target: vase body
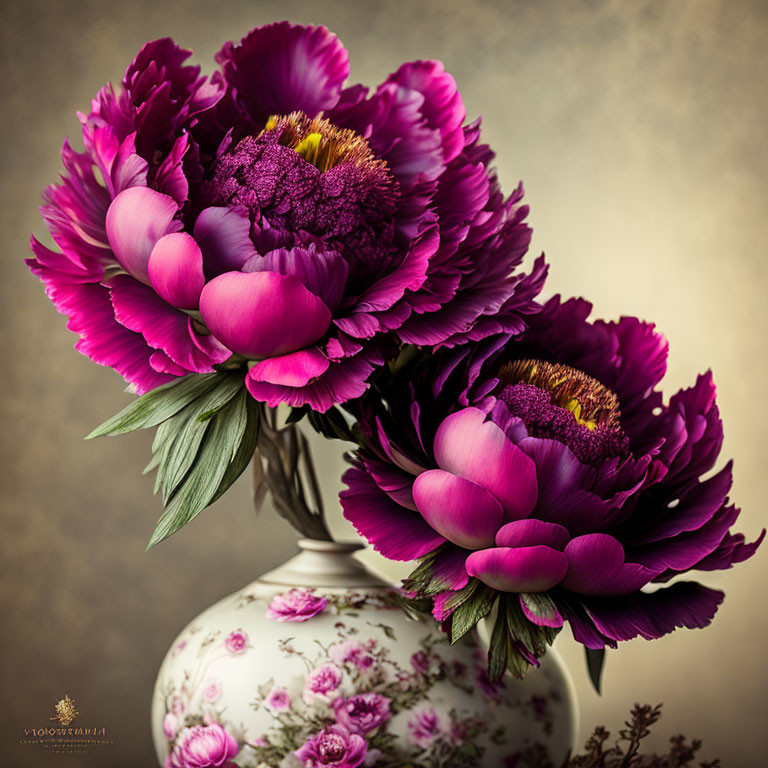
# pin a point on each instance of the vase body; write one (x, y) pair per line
(316, 663)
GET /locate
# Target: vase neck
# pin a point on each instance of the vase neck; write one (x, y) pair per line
(324, 564)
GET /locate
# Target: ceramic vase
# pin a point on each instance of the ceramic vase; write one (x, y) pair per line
(316, 664)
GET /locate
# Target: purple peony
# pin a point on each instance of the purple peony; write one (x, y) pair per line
(275, 219)
(559, 478)
(362, 713)
(203, 746)
(322, 683)
(296, 606)
(424, 726)
(333, 747)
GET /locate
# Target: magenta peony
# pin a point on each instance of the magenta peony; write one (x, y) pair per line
(333, 747)
(274, 219)
(362, 713)
(558, 492)
(296, 606)
(203, 746)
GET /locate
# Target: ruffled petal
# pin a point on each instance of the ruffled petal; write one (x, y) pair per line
(281, 68)
(175, 270)
(140, 309)
(136, 220)
(464, 512)
(393, 531)
(263, 314)
(522, 569)
(468, 445)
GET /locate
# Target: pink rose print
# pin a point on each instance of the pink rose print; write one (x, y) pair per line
(259, 741)
(170, 725)
(424, 726)
(203, 746)
(362, 713)
(296, 605)
(351, 652)
(179, 647)
(322, 683)
(212, 690)
(236, 642)
(333, 747)
(279, 699)
(177, 706)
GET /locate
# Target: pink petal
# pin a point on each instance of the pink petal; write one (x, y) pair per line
(462, 511)
(468, 445)
(296, 369)
(531, 532)
(223, 235)
(281, 68)
(263, 314)
(175, 270)
(136, 220)
(522, 569)
(596, 567)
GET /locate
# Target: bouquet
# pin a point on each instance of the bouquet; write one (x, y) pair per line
(271, 245)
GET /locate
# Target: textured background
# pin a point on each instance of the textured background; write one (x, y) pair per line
(639, 129)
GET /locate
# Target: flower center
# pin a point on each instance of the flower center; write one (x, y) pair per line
(306, 176)
(332, 748)
(562, 403)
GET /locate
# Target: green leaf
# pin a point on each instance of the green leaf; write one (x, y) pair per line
(497, 649)
(470, 612)
(595, 662)
(159, 404)
(541, 605)
(219, 450)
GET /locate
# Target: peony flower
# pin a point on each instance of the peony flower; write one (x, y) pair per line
(203, 746)
(322, 683)
(236, 642)
(279, 699)
(362, 713)
(561, 486)
(271, 217)
(351, 652)
(424, 726)
(296, 606)
(333, 747)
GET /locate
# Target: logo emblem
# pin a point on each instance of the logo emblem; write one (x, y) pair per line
(65, 711)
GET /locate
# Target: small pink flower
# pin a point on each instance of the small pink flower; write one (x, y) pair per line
(296, 605)
(424, 726)
(259, 741)
(236, 642)
(490, 689)
(279, 699)
(333, 747)
(362, 713)
(177, 706)
(203, 746)
(322, 683)
(212, 690)
(179, 647)
(170, 725)
(351, 652)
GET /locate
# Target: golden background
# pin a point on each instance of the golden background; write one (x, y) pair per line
(639, 130)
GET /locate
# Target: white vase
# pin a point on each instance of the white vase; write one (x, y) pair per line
(319, 646)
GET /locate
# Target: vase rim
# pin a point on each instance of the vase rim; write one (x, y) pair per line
(321, 545)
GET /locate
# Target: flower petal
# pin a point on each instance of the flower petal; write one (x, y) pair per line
(263, 314)
(296, 369)
(596, 567)
(223, 235)
(136, 220)
(522, 569)
(393, 531)
(464, 512)
(530, 533)
(468, 445)
(175, 270)
(282, 68)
